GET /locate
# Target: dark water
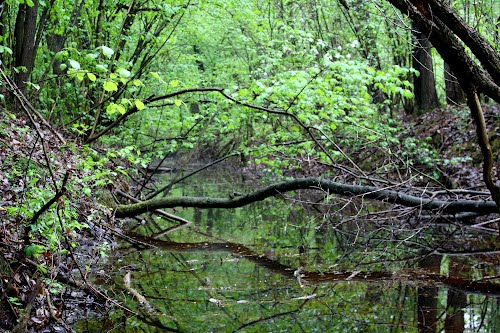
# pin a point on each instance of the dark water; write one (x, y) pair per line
(283, 266)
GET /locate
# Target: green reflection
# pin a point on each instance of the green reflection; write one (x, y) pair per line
(257, 268)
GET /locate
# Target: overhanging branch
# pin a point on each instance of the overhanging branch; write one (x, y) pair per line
(369, 192)
(221, 91)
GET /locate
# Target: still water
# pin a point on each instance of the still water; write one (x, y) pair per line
(284, 266)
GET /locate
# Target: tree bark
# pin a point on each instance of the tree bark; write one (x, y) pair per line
(454, 93)
(24, 35)
(425, 86)
(446, 42)
(479, 46)
(484, 143)
(369, 192)
(55, 43)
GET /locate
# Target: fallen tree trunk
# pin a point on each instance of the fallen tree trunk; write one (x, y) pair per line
(331, 187)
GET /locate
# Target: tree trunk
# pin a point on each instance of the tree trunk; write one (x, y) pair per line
(425, 87)
(444, 28)
(454, 93)
(368, 192)
(24, 36)
(55, 43)
(4, 10)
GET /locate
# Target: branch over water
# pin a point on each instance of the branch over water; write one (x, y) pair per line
(320, 184)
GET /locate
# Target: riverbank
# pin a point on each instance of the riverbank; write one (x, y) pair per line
(53, 232)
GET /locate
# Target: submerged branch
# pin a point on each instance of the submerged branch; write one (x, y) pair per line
(369, 192)
(141, 299)
(310, 277)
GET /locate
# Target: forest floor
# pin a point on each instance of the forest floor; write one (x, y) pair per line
(47, 283)
(43, 278)
(452, 133)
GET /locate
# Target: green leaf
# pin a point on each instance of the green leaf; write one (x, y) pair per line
(137, 83)
(156, 76)
(139, 104)
(408, 94)
(80, 76)
(124, 73)
(63, 66)
(108, 52)
(34, 85)
(178, 102)
(33, 250)
(91, 56)
(121, 109)
(14, 300)
(174, 83)
(74, 64)
(61, 55)
(110, 86)
(101, 68)
(5, 49)
(111, 108)
(29, 3)
(91, 77)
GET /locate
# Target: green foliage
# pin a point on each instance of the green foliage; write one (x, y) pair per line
(330, 85)
(337, 82)
(31, 181)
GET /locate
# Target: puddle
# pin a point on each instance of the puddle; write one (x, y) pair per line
(275, 266)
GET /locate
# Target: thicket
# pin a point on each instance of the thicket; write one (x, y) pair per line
(283, 85)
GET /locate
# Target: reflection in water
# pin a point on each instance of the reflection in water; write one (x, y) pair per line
(456, 300)
(274, 267)
(427, 300)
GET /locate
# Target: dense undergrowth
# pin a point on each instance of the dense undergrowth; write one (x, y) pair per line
(48, 244)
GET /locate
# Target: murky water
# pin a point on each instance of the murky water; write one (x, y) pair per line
(278, 266)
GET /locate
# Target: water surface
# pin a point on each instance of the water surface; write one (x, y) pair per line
(283, 266)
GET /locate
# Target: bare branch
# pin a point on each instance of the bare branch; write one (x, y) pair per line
(370, 192)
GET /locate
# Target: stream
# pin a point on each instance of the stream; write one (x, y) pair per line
(279, 266)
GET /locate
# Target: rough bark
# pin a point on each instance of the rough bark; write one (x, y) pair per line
(484, 143)
(24, 34)
(55, 43)
(425, 86)
(368, 192)
(479, 46)
(454, 93)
